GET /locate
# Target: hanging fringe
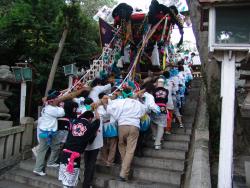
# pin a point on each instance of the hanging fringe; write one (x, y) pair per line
(155, 59)
(164, 59)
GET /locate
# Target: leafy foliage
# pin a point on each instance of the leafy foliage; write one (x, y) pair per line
(30, 30)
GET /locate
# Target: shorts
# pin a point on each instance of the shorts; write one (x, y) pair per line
(160, 120)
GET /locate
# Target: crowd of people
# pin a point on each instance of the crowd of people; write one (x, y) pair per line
(91, 123)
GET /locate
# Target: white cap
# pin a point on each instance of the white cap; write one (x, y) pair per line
(160, 80)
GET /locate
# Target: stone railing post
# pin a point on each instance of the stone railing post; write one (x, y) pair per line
(27, 141)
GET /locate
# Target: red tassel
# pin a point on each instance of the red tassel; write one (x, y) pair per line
(73, 156)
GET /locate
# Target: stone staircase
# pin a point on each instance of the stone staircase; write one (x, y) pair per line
(156, 169)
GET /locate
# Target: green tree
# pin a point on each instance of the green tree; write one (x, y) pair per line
(30, 31)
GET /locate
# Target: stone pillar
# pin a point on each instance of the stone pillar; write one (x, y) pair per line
(4, 94)
(28, 136)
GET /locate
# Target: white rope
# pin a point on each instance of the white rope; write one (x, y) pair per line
(100, 57)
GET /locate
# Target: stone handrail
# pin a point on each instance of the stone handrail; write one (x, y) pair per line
(199, 155)
(16, 143)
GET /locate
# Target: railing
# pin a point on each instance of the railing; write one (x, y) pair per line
(16, 143)
(198, 172)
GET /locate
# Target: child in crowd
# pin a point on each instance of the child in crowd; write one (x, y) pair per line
(169, 85)
(90, 155)
(159, 121)
(110, 134)
(64, 122)
(81, 133)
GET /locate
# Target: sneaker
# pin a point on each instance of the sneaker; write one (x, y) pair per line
(39, 173)
(157, 147)
(181, 126)
(167, 132)
(121, 179)
(53, 165)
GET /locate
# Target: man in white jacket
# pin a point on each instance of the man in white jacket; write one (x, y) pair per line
(48, 136)
(127, 112)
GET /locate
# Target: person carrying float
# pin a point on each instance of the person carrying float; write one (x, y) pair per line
(82, 132)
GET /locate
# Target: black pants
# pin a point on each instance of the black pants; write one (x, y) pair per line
(89, 170)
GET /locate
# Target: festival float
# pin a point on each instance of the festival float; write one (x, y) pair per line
(135, 44)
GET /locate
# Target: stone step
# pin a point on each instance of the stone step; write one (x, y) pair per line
(29, 164)
(105, 173)
(51, 171)
(177, 137)
(29, 178)
(157, 175)
(138, 184)
(164, 153)
(109, 170)
(12, 184)
(177, 145)
(146, 174)
(177, 130)
(101, 180)
(167, 164)
(187, 126)
(106, 181)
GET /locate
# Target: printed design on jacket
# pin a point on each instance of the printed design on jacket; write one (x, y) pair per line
(78, 129)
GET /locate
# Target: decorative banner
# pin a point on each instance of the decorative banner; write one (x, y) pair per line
(106, 32)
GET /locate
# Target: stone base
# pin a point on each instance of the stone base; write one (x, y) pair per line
(5, 124)
(4, 116)
(245, 112)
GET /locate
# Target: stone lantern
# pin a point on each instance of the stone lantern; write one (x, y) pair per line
(70, 70)
(22, 73)
(6, 79)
